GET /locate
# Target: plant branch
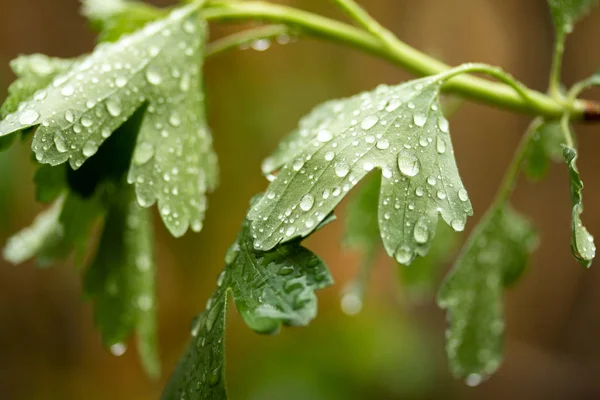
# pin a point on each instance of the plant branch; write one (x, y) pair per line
(403, 55)
(556, 69)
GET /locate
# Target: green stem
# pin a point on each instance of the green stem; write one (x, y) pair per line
(555, 72)
(243, 38)
(510, 177)
(399, 53)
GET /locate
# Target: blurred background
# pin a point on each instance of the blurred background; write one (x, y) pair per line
(394, 349)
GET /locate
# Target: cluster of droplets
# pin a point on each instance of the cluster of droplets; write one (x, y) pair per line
(340, 142)
(157, 65)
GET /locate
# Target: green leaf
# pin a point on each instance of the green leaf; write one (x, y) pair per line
(33, 72)
(399, 130)
(566, 13)
(114, 18)
(66, 226)
(160, 66)
(495, 256)
(120, 280)
(420, 279)
(269, 289)
(546, 147)
(45, 231)
(582, 243)
(362, 228)
(50, 182)
(361, 233)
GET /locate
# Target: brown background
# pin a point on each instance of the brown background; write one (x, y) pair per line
(394, 349)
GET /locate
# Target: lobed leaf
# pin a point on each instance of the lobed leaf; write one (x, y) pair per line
(495, 256)
(158, 66)
(114, 18)
(57, 232)
(582, 243)
(33, 73)
(565, 13)
(120, 280)
(546, 147)
(399, 130)
(269, 289)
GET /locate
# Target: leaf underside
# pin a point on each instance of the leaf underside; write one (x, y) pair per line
(495, 257)
(120, 280)
(582, 243)
(158, 67)
(399, 130)
(269, 289)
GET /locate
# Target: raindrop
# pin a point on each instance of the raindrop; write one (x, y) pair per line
(67, 91)
(408, 163)
(324, 136)
(474, 380)
(90, 148)
(307, 202)
(441, 145)
(458, 225)
(290, 231)
(420, 120)
(28, 117)
(351, 304)
(342, 169)
(114, 107)
(369, 122)
(143, 153)
(383, 144)
(298, 164)
(404, 255)
(60, 144)
(431, 180)
(69, 116)
(441, 194)
(153, 77)
(421, 232)
(261, 44)
(443, 124)
(329, 155)
(463, 195)
(118, 349)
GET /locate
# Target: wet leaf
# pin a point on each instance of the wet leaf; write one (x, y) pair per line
(114, 18)
(120, 280)
(495, 256)
(565, 13)
(158, 66)
(269, 289)
(399, 130)
(582, 243)
(545, 148)
(33, 73)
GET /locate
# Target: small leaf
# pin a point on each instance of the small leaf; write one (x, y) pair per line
(495, 256)
(362, 228)
(546, 147)
(50, 183)
(420, 279)
(34, 72)
(399, 130)
(44, 232)
(582, 243)
(57, 232)
(114, 18)
(269, 289)
(361, 233)
(160, 66)
(120, 281)
(566, 13)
